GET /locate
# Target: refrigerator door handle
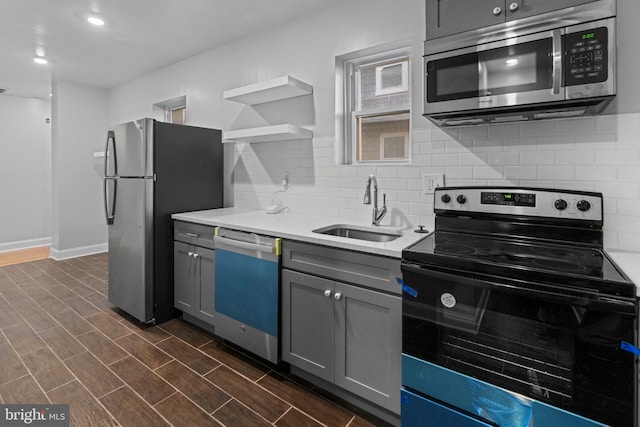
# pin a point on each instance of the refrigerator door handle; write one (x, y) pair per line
(111, 142)
(110, 208)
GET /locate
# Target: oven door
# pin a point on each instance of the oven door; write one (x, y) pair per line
(517, 71)
(556, 346)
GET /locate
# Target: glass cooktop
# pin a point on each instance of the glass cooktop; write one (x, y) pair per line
(578, 266)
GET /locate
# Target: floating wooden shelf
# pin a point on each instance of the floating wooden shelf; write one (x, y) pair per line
(271, 90)
(284, 132)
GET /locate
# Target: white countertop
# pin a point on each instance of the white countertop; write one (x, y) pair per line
(299, 227)
(629, 262)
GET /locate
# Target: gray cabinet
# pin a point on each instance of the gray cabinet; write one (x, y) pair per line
(194, 274)
(446, 17)
(347, 333)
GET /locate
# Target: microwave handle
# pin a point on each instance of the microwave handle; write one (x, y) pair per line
(556, 73)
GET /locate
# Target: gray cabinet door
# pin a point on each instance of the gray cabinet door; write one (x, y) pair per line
(446, 17)
(205, 286)
(524, 8)
(308, 323)
(368, 344)
(184, 280)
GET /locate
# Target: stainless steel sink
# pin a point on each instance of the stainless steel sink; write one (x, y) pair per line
(361, 233)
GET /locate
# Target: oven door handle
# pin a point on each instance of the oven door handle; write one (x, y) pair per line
(569, 296)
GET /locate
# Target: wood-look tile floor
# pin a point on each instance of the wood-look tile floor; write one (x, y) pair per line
(61, 341)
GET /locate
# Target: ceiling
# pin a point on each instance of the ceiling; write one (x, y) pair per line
(138, 37)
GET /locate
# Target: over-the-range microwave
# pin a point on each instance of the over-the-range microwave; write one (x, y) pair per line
(554, 65)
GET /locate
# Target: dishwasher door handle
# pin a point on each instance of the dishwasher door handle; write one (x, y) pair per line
(271, 249)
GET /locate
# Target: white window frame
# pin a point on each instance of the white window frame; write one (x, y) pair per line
(346, 99)
(402, 87)
(383, 140)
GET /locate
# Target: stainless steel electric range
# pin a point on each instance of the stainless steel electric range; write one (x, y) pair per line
(514, 315)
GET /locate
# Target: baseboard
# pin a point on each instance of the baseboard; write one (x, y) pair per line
(59, 255)
(25, 244)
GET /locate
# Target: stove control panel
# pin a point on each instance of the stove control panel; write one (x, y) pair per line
(538, 202)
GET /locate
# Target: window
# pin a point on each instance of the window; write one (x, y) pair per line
(374, 116)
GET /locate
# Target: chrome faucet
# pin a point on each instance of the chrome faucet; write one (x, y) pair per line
(377, 214)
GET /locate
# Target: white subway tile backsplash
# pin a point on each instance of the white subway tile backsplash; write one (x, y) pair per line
(619, 190)
(628, 207)
(408, 172)
(473, 133)
(458, 146)
(458, 173)
(473, 159)
(502, 131)
(557, 143)
(623, 223)
(445, 159)
(487, 145)
(520, 172)
(556, 173)
(618, 157)
(575, 126)
(503, 158)
(591, 154)
(487, 172)
(595, 173)
(627, 241)
(578, 156)
(537, 129)
(546, 157)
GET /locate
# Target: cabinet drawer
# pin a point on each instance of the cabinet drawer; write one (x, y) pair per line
(194, 234)
(372, 271)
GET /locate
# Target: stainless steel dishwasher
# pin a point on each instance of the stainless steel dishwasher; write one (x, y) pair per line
(247, 291)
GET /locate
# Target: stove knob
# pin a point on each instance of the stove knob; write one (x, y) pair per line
(462, 199)
(583, 206)
(560, 204)
(445, 198)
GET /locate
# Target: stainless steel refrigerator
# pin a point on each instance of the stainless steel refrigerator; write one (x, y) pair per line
(154, 169)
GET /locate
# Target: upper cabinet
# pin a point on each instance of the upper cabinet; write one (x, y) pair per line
(268, 91)
(447, 17)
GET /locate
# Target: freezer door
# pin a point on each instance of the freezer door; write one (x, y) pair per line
(131, 249)
(131, 150)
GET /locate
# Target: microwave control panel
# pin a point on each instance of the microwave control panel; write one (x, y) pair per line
(586, 54)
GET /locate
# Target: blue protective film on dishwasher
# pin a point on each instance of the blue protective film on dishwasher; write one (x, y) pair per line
(406, 288)
(630, 348)
(246, 289)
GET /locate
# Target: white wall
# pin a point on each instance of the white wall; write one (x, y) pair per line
(25, 173)
(79, 115)
(600, 154)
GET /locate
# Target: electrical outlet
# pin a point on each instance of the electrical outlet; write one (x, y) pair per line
(432, 181)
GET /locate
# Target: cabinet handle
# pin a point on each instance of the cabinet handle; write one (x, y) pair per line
(192, 234)
(327, 293)
(196, 255)
(513, 7)
(190, 253)
(337, 295)
(497, 10)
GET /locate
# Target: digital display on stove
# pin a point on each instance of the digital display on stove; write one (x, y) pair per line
(508, 199)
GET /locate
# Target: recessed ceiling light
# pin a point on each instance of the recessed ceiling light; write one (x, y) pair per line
(94, 20)
(39, 60)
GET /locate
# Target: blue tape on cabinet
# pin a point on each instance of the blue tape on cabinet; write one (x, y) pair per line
(469, 394)
(546, 415)
(418, 411)
(247, 290)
